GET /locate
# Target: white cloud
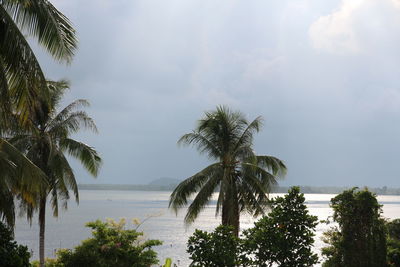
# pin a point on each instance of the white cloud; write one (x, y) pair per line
(396, 3)
(349, 28)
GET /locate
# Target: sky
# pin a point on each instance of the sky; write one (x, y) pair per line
(324, 75)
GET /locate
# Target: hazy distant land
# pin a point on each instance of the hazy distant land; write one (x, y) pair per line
(169, 184)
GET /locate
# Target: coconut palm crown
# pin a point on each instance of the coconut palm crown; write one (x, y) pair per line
(242, 178)
(21, 77)
(22, 83)
(46, 143)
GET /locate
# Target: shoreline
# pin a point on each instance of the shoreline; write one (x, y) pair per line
(279, 189)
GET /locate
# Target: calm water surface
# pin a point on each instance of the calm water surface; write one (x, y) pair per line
(68, 230)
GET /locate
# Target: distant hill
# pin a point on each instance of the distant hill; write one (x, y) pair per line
(169, 184)
(161, 184)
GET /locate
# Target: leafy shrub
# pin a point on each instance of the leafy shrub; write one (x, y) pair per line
(48, 262)
(393, 243)
(12, 254)
(218, 248)
(284, 237)
(111, 245)
(359, 240)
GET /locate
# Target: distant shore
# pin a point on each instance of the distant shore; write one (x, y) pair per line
(279, 189)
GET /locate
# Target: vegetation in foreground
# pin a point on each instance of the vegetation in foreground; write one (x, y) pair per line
(243, 179)
(26, 105)
(111, 245)
(284, 237)
(46, 143)
(12, 254)
(359, 239)
(23, 84)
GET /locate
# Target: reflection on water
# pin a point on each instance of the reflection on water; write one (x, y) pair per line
(68, 230)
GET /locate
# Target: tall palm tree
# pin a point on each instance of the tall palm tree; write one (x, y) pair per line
(242, 178)
(21, 77)
(18, 174)
(46, 144)
(22, 82)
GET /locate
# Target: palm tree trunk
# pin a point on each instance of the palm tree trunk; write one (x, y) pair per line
(42, 223)
(230, 209)
(230, 216)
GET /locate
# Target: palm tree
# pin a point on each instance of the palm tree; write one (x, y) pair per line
(46, 143)
(242, 178)
(14, 165)
(22, 82)
(21, 77)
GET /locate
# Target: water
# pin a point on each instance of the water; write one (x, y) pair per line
(68, 230)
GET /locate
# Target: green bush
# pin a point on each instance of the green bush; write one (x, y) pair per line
(393, 243)
(284, 237)
(48, 262)
(215, 249)
(359, 240)
(111, 245)
(12, 254)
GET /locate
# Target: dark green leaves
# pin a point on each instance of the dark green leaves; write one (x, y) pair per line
(242, 178)
(283, 237)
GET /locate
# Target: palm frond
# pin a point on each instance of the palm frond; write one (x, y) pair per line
(72, 124)
(275, 165)
(87, 155)
(57, 90)
(203, 197)
(42, 20)
(5, 101)
(65, 175)
(27, 172)
(19, 176)
(252, 199)
(244, 179)
(255, 186)
(266, 178)
(7, 207)
(22, 70)
(191, 185)
(67, 114)
(246, 137)
(202, 143)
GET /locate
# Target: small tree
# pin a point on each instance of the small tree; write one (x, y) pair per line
(111, 245)
(359, 240)
(219, 248)
(12, 254)
(393, 243)
(284, 236)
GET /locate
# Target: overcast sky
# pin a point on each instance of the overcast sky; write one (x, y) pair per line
(325, 75)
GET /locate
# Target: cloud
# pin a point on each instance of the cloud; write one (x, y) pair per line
(349, 28)
(151, 68)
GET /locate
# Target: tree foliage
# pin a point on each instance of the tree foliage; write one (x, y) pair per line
(284, 236)
(393, 243)
(22, 80)
(242, 178)
(46, 141)
(218, 248)
(111, 245)
(359, 240)
(23, 86)
(12, 254)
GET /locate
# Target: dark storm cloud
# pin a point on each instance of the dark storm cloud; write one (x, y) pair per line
(326, 82)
